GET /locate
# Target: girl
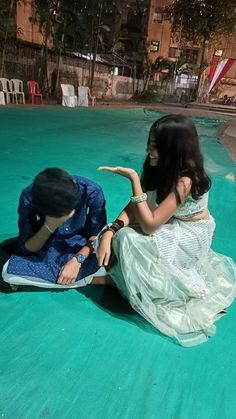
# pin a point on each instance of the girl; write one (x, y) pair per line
(162, 261)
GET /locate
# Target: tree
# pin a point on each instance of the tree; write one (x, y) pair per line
(72, 25)
(54, 18)
(202, 21)
(90, 27)
(85, 27)
(151, 68)
(46, 12)
(7, 27)
(134, 39)
(101, 20)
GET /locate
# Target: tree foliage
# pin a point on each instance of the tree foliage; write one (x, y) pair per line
(8, 28)
(202, 20)
(87, 26)
(77, 25)
(7, 20)
(82, 22)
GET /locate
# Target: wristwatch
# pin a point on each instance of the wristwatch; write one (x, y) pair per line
(80, 258)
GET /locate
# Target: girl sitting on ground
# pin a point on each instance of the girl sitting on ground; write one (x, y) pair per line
(160, 243)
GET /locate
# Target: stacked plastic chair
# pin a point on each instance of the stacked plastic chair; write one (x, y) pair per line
(68, 95)
(6, 88)
(17, 90)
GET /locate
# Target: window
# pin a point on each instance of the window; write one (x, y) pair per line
(157, 17)
(154, 46)
(186, 81)
(190, 55)
(176, 20)
(134, 22)
(174, 52)
(167, 15)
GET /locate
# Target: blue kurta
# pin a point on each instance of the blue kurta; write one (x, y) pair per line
(88, 220)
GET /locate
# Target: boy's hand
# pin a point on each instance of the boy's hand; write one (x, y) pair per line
(69, 272)
(55, 222)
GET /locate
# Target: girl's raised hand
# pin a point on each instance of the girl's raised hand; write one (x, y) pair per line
(119, 170)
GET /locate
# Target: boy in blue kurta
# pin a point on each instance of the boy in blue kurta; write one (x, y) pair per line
(59, 217)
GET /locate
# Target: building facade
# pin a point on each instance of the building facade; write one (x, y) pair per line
(162, 43)
(139, 22)
(29, 30)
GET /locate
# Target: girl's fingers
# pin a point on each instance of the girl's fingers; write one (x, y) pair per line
(100, 259)
(107, 168)
(107, 257)
(103, 259)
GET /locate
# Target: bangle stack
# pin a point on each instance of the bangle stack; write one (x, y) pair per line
(48, 228)
(138, 198)
(114, 227)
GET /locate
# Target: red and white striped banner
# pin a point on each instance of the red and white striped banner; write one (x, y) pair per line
(214, 64)
(222, 68)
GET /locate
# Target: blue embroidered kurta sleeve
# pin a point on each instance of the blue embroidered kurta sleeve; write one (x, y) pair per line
(88, 220)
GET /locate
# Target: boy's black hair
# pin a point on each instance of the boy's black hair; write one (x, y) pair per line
(54, 193)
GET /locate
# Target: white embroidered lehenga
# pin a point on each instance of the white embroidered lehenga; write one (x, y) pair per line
(172, 277)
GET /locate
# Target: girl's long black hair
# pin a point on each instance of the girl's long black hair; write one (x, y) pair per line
(179, 154)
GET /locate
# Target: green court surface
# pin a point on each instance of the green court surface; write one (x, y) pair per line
(85, 354)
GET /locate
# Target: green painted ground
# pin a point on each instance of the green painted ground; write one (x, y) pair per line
(85, 354)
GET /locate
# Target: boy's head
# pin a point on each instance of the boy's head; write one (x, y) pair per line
(54, 193)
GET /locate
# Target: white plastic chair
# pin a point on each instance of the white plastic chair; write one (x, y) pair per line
(7, 90)
(84, 95)
(2, 99)
(17, 89)
(68, 95)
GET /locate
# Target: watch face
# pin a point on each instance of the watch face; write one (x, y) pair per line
(80, 258)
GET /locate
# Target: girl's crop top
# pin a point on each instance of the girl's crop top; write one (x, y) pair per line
(188, 208)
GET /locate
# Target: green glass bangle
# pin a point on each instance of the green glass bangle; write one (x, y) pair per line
(138, 198)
